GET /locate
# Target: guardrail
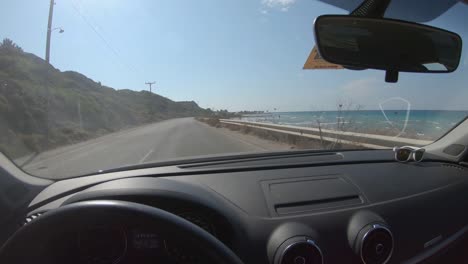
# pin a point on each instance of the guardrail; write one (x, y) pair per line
(348, 138)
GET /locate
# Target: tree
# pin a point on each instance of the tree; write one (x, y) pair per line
(9, 45)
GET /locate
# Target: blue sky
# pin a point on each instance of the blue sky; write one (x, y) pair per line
(223, 54)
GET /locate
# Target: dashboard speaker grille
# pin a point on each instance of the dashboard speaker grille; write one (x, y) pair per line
(454, 149)
(454, 166)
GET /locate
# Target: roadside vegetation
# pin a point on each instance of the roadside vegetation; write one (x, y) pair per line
(42, 108)
(296, 142)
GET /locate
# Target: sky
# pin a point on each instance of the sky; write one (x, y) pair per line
(222, 54)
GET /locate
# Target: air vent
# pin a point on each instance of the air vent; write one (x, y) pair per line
(307, 206)
(285, 160)
(31, 217)
(302, 195)
(297, 250)
(375, 244)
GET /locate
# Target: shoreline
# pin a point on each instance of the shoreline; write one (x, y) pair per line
(306, 137)
(352, 127)
(416, 124)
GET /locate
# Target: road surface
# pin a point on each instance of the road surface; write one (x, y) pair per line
(165, 140)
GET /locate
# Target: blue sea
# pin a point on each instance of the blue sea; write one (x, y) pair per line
(421, 124)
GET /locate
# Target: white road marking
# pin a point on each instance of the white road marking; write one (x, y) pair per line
(146, 156)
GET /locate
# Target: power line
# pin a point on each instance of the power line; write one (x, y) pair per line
(103, 31)
(92, 20)
(101, 37)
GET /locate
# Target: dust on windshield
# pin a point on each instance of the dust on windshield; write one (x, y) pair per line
(87, 86)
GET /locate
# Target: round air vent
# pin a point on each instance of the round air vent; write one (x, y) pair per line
(375, 244)
(299, 250)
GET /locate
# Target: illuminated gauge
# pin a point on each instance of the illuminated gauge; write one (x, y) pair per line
(102, 245)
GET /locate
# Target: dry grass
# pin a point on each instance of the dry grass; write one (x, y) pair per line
(296, 142)
(214, 122)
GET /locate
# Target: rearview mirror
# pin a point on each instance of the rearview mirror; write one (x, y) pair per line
(386, 44)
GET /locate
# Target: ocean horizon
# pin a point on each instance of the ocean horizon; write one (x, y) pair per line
(420, 124)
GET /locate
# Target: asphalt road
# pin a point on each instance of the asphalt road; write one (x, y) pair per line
(165, 140)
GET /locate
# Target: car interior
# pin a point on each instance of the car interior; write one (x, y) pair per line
(290, 207)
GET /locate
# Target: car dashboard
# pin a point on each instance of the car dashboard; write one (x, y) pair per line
(347, 207)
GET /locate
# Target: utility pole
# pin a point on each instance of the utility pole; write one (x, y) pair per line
(150, 85)
(47, 58)
(49, 31)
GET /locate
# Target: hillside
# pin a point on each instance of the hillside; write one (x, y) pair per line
(42, 107)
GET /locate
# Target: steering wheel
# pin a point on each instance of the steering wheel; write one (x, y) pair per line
(28, 244)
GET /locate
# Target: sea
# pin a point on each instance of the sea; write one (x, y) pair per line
(419, 124)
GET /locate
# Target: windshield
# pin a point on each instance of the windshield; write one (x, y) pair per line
(88, 86)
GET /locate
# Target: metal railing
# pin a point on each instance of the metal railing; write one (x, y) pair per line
(343, 137)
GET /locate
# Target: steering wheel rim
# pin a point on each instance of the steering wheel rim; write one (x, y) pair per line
(79, 215)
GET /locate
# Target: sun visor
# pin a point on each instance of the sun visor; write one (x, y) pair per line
(315, 62)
